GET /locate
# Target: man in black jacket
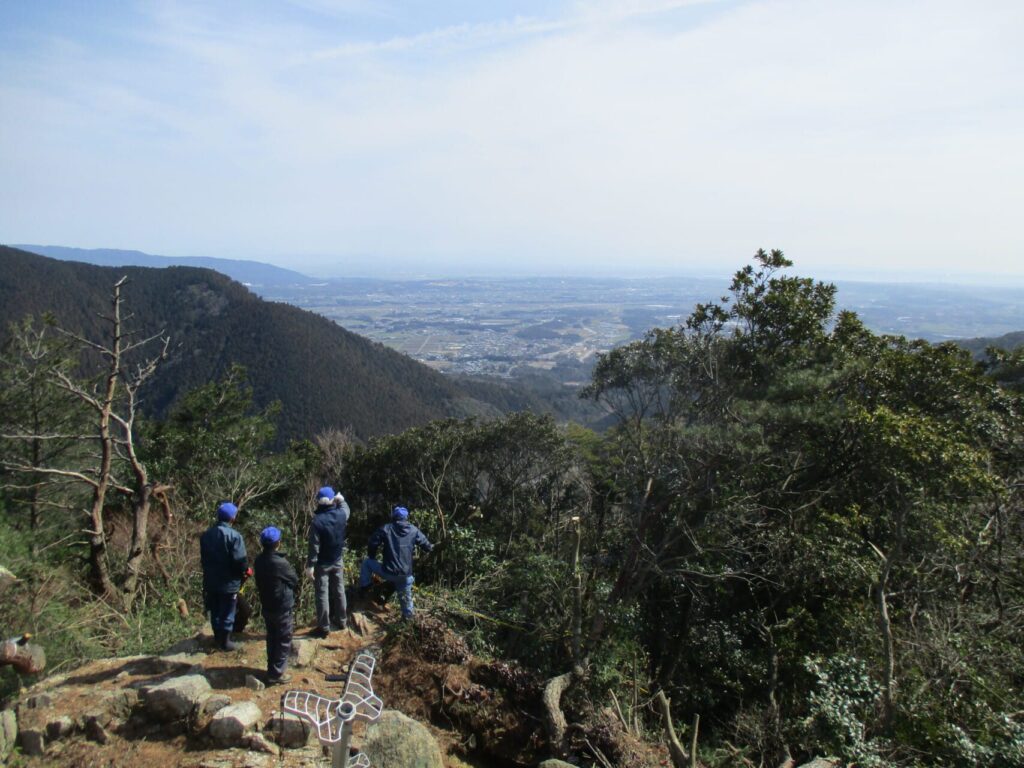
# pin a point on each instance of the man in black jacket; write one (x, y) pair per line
(324, 562)
(276, 581)
(398, 538)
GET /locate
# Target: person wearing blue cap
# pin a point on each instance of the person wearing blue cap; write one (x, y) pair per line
(277, 583)
(225, 564)
(324, 560)
(399, 538)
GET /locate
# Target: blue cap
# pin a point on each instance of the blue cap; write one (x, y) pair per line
(270, 535)
(400, 513)
(325, 495)
(227, 512)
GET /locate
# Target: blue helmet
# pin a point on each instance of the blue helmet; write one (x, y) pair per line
(270, 535)
(227, 512)
(400, 513)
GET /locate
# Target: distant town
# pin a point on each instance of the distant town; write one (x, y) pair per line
(507, 327)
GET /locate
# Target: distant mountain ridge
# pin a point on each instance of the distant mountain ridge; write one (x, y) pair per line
(1008, 341)
(255, 273)
(324, 376)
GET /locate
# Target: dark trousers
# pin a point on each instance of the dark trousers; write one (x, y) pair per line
(279, 643)
(331, 610)
(222, 607)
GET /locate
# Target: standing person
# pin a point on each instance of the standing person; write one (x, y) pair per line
(398, 538)
(277, 582)
(225, 562)
(324, 563)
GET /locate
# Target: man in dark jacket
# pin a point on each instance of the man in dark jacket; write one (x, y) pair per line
(276, 581)
(324, 563)
(398, 538)
(225, 562)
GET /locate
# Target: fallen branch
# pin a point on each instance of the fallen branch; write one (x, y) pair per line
(555, 720)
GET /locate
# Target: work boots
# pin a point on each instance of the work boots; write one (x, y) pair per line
(224, 641)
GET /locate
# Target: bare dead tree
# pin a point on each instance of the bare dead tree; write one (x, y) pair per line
(113, 404)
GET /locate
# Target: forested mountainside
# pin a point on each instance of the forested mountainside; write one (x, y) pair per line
(799, 538)
(1008, 341)
(324, 376)
(254, 272)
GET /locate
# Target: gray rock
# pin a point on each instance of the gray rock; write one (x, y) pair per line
(823, 762)
(257, 742)
(59, 727)
(552, 763)
(396, 740)
(175, 699)
(188, 645)
(39, 701)
(8, 732)
(94, 731)
(33, 741)
(303, 652)
(289, 730)
(214, 703)
(232, 723)
(253, 683)
(120, 703)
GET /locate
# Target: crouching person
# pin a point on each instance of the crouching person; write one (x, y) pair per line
(398, 539)
(276, 581)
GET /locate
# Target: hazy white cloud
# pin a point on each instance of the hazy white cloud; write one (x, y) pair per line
(634, 135)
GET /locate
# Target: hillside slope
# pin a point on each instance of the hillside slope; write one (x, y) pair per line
(323, 375)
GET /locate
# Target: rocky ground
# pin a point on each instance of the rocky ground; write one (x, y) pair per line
(195, 707)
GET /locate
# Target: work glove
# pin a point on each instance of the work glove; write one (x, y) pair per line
(309, 572)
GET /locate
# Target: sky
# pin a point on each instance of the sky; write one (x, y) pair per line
(865, 138)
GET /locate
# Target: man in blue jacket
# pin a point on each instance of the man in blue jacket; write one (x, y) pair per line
(324, 563)
(277, 583)
(225, 563)
(398, 538)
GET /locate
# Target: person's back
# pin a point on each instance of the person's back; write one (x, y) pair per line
(276, 581)
(224, 561)
(398, 539)
(223, 557)
(324, 560)
(329, 526)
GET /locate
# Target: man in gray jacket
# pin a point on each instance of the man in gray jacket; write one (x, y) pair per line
(324, 562)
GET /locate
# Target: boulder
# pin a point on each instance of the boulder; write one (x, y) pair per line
(33, 741)
(823, 762)
(303, 652)
(214, 703)
(117, 704)
(175, 699)
(253, 683)
(58, 727)
(38, 701)
(8, 732)
(397, 741)
(232, 723)
(555, 764)
(257, 742)
(289, 730)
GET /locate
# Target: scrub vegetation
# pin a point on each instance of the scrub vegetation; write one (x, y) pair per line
(807, 534)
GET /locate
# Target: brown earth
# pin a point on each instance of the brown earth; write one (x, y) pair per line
(483, 714)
